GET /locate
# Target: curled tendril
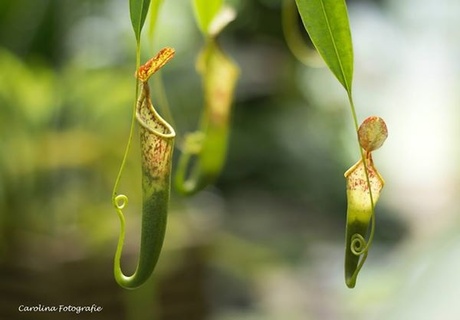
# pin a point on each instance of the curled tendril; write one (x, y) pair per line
(120, 201)
(358, 244)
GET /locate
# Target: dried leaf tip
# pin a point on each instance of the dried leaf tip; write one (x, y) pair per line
(154, 64)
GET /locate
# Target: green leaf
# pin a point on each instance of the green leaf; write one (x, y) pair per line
(326, 21)
(138, 10)
(205, 11)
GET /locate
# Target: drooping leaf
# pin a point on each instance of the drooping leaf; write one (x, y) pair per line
(205, 11)
(326, 22)
(138, 10)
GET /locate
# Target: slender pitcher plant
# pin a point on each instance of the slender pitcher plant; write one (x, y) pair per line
(157, 143)
(326, 22)
(204, 151)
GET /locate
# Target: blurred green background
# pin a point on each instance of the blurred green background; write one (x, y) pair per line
(267, 240)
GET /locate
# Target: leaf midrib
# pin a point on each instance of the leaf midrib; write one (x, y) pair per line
(347, 85)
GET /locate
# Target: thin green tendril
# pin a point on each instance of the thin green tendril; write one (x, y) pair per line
(131, 133)
(120, 201)
(360, 247)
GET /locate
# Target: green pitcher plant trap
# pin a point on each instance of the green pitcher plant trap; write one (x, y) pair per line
(204, 151)
(364, 184)
(157, 143)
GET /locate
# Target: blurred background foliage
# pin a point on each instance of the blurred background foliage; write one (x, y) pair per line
(266, 241)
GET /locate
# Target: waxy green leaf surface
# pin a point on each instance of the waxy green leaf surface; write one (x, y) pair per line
(326, 22)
